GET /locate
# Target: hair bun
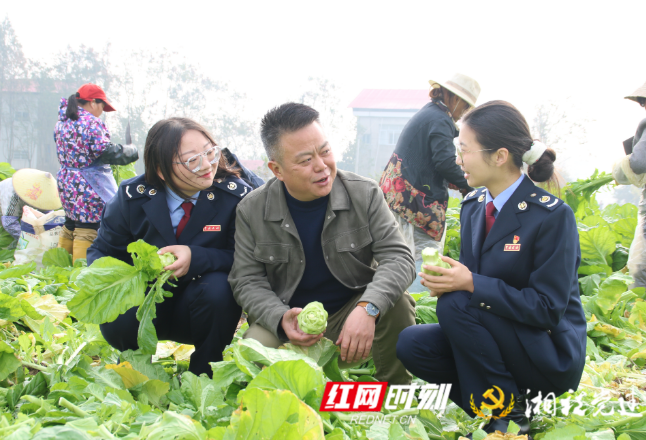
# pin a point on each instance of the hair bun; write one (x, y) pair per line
(543, 169)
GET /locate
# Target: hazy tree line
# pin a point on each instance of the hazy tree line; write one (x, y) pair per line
(145, 87)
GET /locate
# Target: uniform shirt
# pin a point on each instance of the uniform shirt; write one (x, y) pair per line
(317, 283)
(175, 206)
(502, 198)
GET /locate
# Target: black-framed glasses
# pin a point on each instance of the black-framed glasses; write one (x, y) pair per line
(194, 163)
(460, 152)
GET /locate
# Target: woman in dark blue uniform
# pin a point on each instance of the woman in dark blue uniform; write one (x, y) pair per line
(185, 204)
(509, 312)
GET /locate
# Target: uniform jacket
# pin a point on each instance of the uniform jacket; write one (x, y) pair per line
(415, 181)
(536, 286)
(363, 248)
(140, 211)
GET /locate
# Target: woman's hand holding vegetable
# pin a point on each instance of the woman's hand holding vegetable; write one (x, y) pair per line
(458, 277)
(183, 255)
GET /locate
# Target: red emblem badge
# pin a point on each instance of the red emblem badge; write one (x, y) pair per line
(211, 228)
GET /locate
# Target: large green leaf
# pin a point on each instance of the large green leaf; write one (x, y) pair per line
(611, 290)
(276, 414)
(17, 271)
(142, 363)
(10, 308)
(8, 361)
(295, 376)
(569, 432)
(108, 288)
(253, 351)
(597, 244)
(226, 372)
(147, 334)
(614, 212)
(322, 352)
(57, 257)
(6, 170)
(123, 172)
(145, 258)
(625, 228)
(61, 432)
(173, 426)
(200, 392)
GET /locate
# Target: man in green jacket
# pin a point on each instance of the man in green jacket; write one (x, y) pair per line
(315, 234)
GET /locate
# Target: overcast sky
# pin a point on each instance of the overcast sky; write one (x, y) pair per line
(519, 51)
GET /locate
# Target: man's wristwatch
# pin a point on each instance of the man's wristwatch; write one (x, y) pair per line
(371, 309)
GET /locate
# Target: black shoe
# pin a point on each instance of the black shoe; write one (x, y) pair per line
(517, 415)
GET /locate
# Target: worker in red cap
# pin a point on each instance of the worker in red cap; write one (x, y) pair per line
(85, 152)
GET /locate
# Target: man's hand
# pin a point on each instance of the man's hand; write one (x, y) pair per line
(293, 331)
(183, 255)
(458, 277)
(357, 335)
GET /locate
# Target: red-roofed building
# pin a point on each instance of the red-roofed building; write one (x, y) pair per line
(381, 117)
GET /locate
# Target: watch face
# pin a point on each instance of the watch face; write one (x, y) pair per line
(372, 309)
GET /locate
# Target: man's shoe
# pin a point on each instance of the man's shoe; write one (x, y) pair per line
(517, 415)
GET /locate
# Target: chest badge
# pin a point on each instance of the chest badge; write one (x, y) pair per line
(515, 246)
(471, 194)
(141, 189)
(232, 186)
(210, 196)
(522, 206)
(212, 228)
(481, 198)
(152, 192)
(532, 195)
(545, 199)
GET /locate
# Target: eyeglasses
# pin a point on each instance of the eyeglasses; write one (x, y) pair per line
(194, 163)
(460, 152)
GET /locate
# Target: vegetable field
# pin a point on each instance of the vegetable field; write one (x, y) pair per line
(59, 379)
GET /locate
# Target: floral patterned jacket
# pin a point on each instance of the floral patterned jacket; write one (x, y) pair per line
(416, 179)
(78, 144)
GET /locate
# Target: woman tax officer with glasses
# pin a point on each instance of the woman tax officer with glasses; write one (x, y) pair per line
(185, 204)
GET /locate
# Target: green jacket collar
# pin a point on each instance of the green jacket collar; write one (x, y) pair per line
(276, 207)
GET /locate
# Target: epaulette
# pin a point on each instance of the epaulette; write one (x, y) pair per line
(542, 198)
(477, 194)
(137, 187)
(233, 185)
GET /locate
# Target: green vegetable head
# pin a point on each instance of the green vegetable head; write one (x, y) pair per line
(432, 257)
(313, 318)
(167, 259)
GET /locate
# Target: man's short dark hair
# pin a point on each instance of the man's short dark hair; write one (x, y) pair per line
(287, 118)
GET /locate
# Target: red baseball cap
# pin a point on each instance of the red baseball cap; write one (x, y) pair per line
(92, 91)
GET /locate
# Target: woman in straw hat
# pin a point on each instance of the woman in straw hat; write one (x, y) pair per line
(185, 203)
(631, 170)
(85, 180)
(417, 177)
(511, 324)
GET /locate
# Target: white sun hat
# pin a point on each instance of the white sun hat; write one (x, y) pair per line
(465, 87)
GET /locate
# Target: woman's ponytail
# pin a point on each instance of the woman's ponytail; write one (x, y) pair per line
(72, 111)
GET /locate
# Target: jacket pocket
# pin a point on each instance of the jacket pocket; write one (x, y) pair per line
(356, 257)
(271, 253)
(353, 241)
